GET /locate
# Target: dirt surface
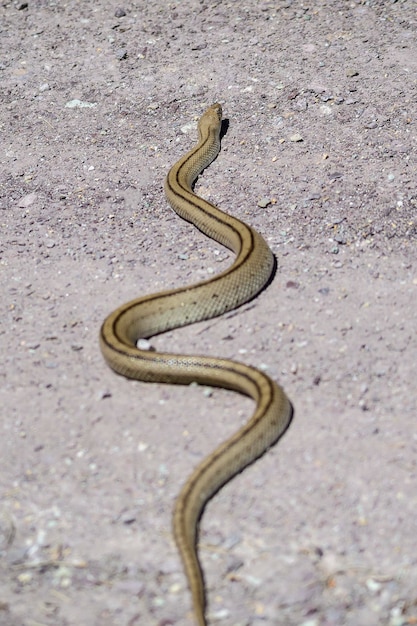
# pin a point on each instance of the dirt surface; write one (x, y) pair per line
(96, 104)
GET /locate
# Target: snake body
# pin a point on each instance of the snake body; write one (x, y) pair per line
(153, 314)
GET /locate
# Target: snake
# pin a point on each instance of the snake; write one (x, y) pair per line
(149, 315)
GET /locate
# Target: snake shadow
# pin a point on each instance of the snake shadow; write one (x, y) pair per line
(224, 127)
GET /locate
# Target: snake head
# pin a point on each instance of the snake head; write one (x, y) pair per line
(216, 110)
(211, 120)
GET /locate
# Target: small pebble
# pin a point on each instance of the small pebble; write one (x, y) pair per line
(128, 517)
(32, 345)
(121, 54)
(373, 585)
(396, 617)
(24, 578)
(41, 539)
(143, 344)
(220, 614)
(339, 238)
(263, 203)
(296, 138)
(74, 104)
(103, 394)
(26, 201)
(199, 46)
(119, 12)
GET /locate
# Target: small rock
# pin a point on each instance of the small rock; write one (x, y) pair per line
(373, 585)
(32, 345)
(339, 238)
(199, 46)
(103, 394)
(121, 54)
(128, 517)
(143, 344)
(263, 203)
(73, 104)
(350, 73)
(26, 201)
(25, 578)
(296, 138)
(119, 12)
(396, 617)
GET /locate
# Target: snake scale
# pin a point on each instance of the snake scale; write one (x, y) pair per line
(153, 314)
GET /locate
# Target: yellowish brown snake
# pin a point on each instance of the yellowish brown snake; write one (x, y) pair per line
(157, 313)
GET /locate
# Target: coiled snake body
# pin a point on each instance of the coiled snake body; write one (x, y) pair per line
(157, 313)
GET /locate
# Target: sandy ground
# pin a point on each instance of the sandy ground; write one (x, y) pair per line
(98, 100)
